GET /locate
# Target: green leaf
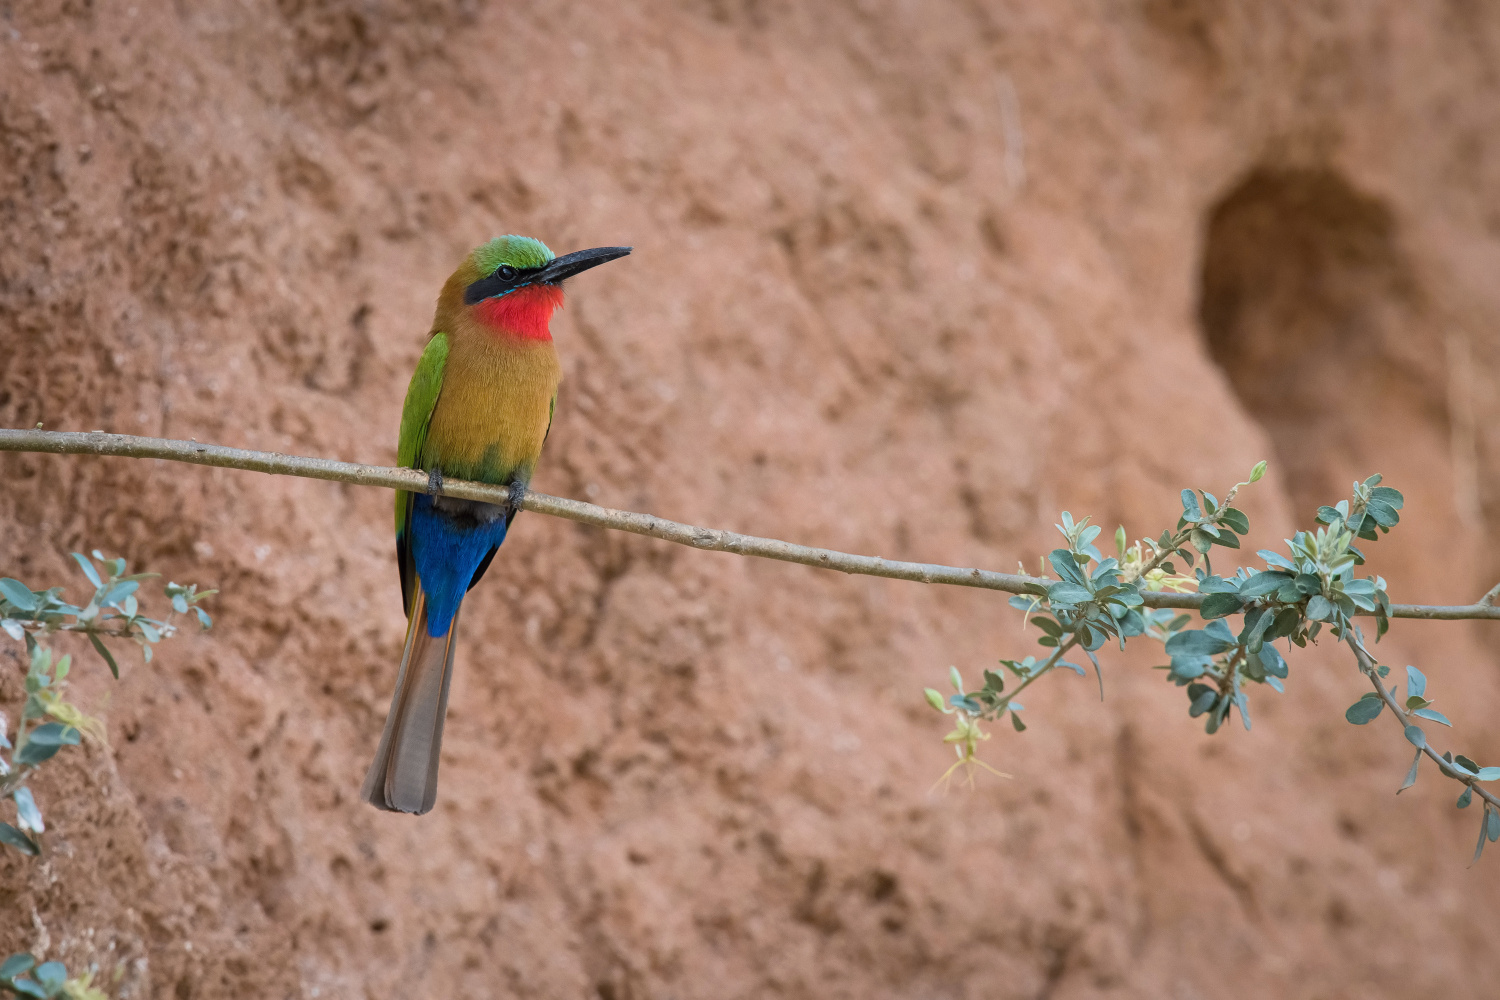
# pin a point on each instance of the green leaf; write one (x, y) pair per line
(1488, 773)
(1219, 605)
(1416, 682)
(1228, 539)
(1277, 559)
(15, 838)
(1233, 517)
(44, 741)
(1188, 667)
(103, 651)
(15, 965)
(1416, 737)
(1068, 593)
(1319, 609)
(52, 976)
(1483, 828)
(27, 814)
(1494, 822)
(1067, 567)
(1262, 583)
(1433, 714)
(1272, 661)
(17, 593)
(965, 702)
(1195, 642)
(1015, 720)
(1383, 514)
(1190, 509)
(1411, 776)
(1388, 496)
(12, 628)
(119, 592)
(1466, 763)
(1466, 798)
(27, 987)
(934, 699)
(1365, 710)
(88, 569)
(956, 679)
(1257, 472)
(203, 619)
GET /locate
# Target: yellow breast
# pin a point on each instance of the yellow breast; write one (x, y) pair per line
(494, 409)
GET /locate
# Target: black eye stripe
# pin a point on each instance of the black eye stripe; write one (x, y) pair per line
(503, 279)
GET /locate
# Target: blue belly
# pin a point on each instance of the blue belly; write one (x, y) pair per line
(449, 540)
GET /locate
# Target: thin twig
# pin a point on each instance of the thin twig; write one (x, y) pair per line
(1367, 665)
(712, 539)
(88, 628)
(1046, 668)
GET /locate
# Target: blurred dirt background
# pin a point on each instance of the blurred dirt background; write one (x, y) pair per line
(909, 279)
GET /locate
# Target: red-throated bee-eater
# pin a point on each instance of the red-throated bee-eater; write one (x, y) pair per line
(479, 407)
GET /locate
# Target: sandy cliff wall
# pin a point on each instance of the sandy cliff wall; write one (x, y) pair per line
(909, 279)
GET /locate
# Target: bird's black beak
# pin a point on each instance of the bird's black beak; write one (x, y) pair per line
(570, 264)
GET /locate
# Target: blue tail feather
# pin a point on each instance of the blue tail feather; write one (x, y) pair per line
(450, 539)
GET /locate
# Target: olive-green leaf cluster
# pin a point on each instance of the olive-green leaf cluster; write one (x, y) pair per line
(21, 976)
(1313, 588)
(47, 722)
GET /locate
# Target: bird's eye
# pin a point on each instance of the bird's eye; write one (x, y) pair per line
(506, 271)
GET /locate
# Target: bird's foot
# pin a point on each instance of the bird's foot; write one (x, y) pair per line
(517, 494)
(435, 482)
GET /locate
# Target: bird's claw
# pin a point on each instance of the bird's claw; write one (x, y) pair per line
(517, 494)
(435, 482)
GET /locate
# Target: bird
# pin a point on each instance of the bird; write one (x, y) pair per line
(479, 407)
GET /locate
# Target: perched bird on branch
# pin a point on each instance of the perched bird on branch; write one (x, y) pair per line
(479, 407)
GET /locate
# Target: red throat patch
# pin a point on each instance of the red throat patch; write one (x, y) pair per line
(524, 313)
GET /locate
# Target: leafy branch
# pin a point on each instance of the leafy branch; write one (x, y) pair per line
(23, 977)
(1296, 597)
(48, 721)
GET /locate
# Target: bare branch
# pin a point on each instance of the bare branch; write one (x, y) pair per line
(712, 539)
(1488, 600)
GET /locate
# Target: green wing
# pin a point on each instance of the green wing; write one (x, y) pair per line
(421, 399)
